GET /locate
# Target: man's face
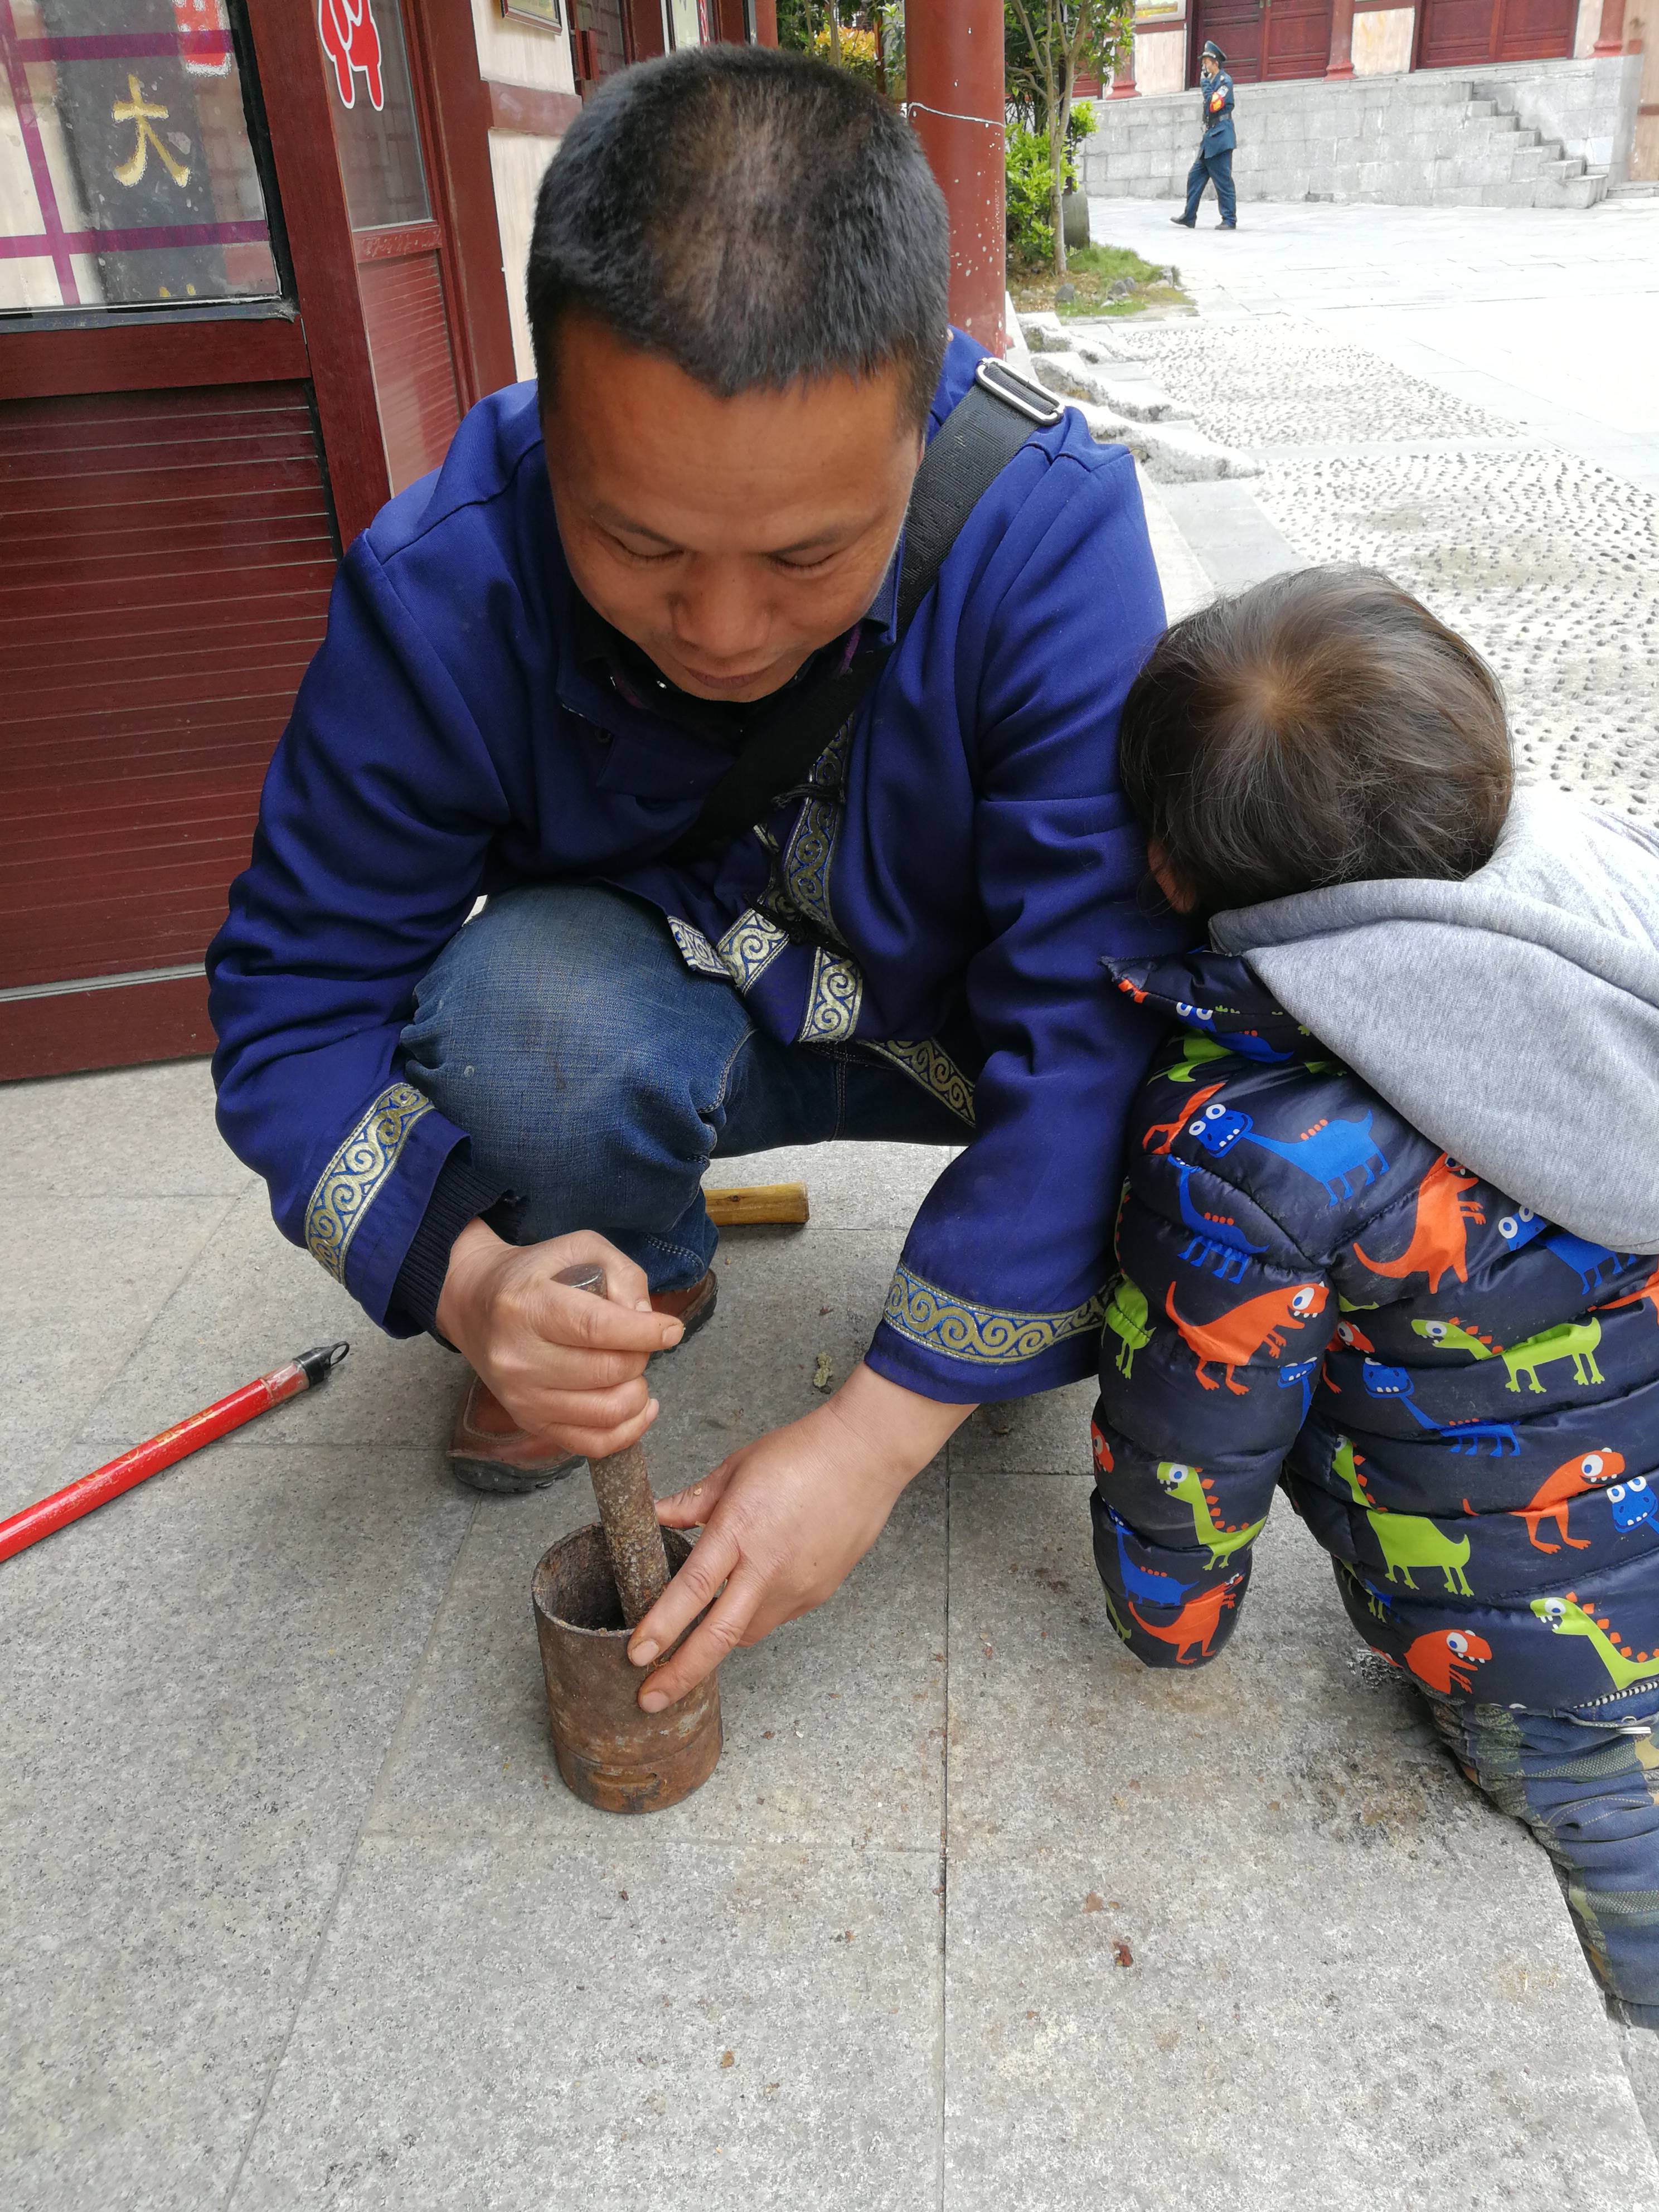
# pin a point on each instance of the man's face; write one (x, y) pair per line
(728, 538)
(1208, 65)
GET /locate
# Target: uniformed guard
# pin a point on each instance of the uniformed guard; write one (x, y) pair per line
(1214, 164)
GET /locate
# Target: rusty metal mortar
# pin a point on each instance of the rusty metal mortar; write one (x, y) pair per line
(589, 1592)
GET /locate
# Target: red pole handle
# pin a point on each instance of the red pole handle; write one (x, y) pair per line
(175, 1444)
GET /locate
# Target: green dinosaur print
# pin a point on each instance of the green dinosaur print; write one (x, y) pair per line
(1187, 1484)
(1565, 1616)
(1450, 1335)
(1126, 1316)
(1404, 1540)
(1195, 1052)
(1574, 1340)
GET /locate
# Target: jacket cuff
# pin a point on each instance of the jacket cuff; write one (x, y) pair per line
(459, 1196)
(961, 1353)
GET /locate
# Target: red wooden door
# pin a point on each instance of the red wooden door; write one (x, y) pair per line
(379, 112)
(1453, 33)
(1297, 38)
(1265, 39)
(1238, 27)
(1536, 30)
(164, 506)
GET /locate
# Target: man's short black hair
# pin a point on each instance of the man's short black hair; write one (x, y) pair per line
(1323, 728)
(755, 216)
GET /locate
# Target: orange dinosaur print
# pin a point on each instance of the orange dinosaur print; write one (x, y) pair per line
(1648, 1294)
(1170, 1130)
(1444, 1657)
(1556, 1493)
(1194, 1627)
(1440, 1232)
(1102, 1449)
(1229, 1340)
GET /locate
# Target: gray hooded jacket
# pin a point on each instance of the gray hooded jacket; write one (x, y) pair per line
(1512, 1018)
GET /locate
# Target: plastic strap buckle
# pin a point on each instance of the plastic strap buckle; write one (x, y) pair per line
(1014, 391)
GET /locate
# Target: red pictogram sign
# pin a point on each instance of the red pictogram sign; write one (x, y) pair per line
(353, 44)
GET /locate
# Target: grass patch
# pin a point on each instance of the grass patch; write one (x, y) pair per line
(1106, 280)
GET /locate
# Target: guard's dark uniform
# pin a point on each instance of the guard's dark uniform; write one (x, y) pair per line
(1214, 164)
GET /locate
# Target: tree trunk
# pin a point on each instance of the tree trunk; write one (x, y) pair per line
(834, 12)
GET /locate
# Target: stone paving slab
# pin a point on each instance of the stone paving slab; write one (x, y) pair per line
(1363, 2030)
(132, 1132)
(84, 1280)
(202, 1680)
(1344, 1980)
(600, 2024)
(253, 1301)
(834, 1727)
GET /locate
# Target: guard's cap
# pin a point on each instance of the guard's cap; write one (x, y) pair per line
(1211, 47)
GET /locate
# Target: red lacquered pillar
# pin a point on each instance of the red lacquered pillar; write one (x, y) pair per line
(1341, 61)
(1123, 77)
(1610, 38)
(953, 90)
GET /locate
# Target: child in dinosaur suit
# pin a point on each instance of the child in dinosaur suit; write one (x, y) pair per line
(1391, 1209)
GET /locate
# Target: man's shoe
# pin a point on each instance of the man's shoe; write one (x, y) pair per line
(488, 1450)
(1226, 226)
(1182, 221)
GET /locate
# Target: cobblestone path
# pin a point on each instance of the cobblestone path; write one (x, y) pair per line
(1546, 562)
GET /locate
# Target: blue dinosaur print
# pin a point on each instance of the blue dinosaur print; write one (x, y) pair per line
(1330, 1151)
(1249, 1044)
(1492, 1381)
(1462, 1436)
(1300, 1372)
(1591, 1263)
(1153, 1589)
(1633, 1502)
(1210, 1239)
(1519, 1226)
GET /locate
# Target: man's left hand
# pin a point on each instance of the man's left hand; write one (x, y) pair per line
(784, 1521)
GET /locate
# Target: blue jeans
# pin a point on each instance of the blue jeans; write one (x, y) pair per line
(1588, 1788)
(1215, 169)
(596, 1076)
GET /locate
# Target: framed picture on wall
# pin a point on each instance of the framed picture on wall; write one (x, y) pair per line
(549, 14)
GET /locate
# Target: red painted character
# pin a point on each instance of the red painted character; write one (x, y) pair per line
(353, 43)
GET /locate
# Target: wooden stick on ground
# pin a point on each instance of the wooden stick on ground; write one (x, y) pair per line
(751, 1203)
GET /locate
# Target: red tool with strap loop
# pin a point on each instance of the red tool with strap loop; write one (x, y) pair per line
(307, 1372)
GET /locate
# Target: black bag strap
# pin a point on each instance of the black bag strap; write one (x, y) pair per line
(977, 440)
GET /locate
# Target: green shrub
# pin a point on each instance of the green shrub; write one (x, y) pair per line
(1031, 200)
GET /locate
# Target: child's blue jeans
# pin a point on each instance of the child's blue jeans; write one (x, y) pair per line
(1587, 1784)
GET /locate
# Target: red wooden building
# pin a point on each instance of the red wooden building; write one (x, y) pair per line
(251, 275)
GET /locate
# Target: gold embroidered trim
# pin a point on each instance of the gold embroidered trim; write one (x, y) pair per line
(806, 863)
(749, 947)
(929, 1064)
(833, 1001)
(696, 951)
(351, 1181)
(933, 1318)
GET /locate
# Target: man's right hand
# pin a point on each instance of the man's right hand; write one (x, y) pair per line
(567, 1366)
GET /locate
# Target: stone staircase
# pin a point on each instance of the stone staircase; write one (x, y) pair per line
(1432, 138)
(1119, 399)
(1540, 170)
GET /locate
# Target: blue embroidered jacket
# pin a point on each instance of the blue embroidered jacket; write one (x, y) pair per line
(944, 906)
(1464, 1399)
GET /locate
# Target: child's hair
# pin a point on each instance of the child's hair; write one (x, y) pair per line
(1319, 728)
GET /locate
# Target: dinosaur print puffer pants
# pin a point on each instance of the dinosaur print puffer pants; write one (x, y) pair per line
(1588, 1788)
